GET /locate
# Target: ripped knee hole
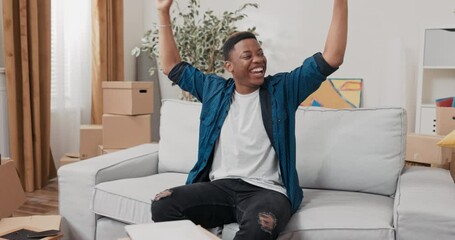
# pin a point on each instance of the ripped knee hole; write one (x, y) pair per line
(267, 221)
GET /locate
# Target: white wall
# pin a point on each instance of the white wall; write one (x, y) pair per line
(383, 47)
(133, 31)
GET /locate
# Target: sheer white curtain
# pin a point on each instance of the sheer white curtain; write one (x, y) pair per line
(71, 74)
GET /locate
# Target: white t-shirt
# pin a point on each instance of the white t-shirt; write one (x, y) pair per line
(243, 149)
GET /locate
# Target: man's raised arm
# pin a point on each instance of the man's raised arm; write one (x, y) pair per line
(169, 54)
(335, 45)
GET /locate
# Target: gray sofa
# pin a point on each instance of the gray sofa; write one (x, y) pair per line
(350, 165)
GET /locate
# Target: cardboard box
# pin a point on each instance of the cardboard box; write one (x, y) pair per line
(452, 165)
(12, 197)
(424, 149)
(445, 120)
(35, 223)
(5, 160)
(443, 166)
(102, 150)
(128, 98)
(69, 158)
(11, 192)
(90, 137)
(121, 131)
(452, 169)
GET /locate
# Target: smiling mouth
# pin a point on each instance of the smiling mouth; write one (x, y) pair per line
(257, 71)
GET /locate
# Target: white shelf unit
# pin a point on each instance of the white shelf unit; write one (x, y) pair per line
(436, 77)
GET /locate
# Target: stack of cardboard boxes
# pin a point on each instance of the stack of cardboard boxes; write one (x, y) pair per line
(127, 119)
(423, 149)
(127, 122)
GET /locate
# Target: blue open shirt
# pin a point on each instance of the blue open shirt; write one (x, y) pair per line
(280, 96)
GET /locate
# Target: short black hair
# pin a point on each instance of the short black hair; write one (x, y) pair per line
(234, 39)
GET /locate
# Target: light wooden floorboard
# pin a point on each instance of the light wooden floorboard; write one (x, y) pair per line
(40, 202)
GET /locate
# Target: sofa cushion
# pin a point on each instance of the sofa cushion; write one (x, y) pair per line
(425, 204)
(129, 200)
(351, 149)
(327, 214)
(179, 135)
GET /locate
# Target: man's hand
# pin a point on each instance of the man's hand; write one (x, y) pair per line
(163, 5)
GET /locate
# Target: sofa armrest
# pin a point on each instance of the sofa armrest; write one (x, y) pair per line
(77, 181)
(425, 204)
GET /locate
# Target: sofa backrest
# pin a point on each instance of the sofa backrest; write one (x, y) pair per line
(179, 135)
(351, 149)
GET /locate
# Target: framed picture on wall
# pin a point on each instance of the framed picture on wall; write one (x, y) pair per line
(337, 93)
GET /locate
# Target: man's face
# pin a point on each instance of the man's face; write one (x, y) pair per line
(247, 64)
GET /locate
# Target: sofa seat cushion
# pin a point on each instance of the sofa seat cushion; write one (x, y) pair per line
(129, 200)
(326, 214)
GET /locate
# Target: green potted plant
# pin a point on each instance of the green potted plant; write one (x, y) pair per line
(199, 37)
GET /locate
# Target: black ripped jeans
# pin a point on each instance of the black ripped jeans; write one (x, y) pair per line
(261, 213)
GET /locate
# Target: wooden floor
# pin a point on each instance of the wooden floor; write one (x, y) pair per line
(40, 202)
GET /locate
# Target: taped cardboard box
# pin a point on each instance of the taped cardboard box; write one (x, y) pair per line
(422, 148)
(452, 165)
(443, 166)
(69, 158)
(452, 169)
(127, 98)
(102, 150)
(12, 197)
(5, 160)
(445, 120)
(90, 137)
(120, 131)
(11, 192)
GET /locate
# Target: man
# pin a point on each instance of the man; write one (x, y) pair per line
(245, 171)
